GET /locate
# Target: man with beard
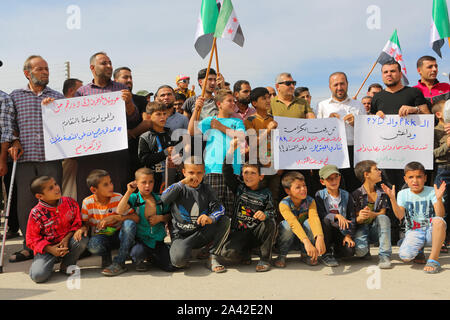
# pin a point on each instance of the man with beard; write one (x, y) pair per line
(25, 117)
(432, 89)
(342, 107)
(116, 162)
(166, 96)
(399, 100)
(242, 96)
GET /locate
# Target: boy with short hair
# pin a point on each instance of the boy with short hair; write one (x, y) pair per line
(301, 227)
(336, 210)
(197, 217)
(108, 228)
(220, 130)
(153, 215)
(442, 161)
(156, 145)
(424, 211)
(50, 230)
(253, 219)
(372, 223)
(263, 123)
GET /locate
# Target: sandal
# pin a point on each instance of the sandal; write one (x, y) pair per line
(420, 258)
(114, 270)
(214, 265)
(433, 264)
(280, 262)
(262, 266)
(19, 256)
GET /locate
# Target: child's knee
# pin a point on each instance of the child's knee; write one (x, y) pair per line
(129, 226)
(383, 221)
(39, 274)
(439, 222)
(361, 250)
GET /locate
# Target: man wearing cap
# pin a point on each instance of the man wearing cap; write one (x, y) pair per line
(145, 94)
(182, 86)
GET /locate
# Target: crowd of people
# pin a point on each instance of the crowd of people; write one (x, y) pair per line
(192, 188)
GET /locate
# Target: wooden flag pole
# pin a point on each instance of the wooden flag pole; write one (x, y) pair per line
(370, 72)
(207, 73)
(217, 57)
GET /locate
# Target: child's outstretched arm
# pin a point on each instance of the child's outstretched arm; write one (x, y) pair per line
(398, 210)
(439, 208)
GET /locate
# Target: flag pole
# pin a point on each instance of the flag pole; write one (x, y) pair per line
(207, 73)
(217, 57)
(368, 75)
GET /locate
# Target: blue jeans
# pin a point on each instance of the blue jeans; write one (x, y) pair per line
(159, 255)
(442, 174)
(42, 267)
(102, 245)
(416, 239)
(379, 231)
(288, 240)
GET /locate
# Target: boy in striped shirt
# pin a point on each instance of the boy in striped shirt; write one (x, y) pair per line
(108, 229)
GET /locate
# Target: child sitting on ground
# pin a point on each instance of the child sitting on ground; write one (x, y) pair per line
(301, 228)
(336, 211)
(50, 229)
(153, 215)
(253, 219)
(109, 230)
(424, 211)
(372, 223)
(197, 217)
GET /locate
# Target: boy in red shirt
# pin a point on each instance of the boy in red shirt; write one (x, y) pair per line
(51, 226)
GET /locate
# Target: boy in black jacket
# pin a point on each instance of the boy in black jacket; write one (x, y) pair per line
(253, 219)
(155, 145)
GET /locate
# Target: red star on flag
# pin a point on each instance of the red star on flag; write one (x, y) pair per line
(230, 31)
(235, 20)
(391, 51)
(404, 70)
(398, 57)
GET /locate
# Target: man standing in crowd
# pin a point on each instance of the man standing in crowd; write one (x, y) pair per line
(367, 103)
(374, 88)
(166, 96)
(242, 96)
(71, 86)
(303, 93)
(341, 106)
(25, 117)
(272, 92)
(285, 104)
(117, 162)
(431, 88)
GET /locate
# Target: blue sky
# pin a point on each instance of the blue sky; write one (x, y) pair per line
(310, 39)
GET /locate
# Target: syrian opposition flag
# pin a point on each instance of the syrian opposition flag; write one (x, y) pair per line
(392, 51)
(228, 26)
(206, 26)
(440, 27)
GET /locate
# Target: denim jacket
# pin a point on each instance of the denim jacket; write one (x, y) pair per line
(361, 199)
(346, 209)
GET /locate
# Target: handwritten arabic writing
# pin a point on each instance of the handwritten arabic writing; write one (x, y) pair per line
(309, 160)
(400, 133)
(377, 148)
(85, 102)
(94, 145)
(309, 139)
(80, 136)
(393, 122)
(88, 119)
(304, 127)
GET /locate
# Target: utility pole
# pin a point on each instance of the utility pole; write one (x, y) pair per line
(67, 69)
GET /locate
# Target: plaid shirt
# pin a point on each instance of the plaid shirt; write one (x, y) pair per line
(48, 225)
(25, 116)
(112, 86)
(6, 105)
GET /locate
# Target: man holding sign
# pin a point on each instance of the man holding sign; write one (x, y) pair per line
(117, 162)
(25, 117)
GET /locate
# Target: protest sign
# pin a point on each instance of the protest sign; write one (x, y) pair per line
(394, 141)
(309, 143)
(84, 125)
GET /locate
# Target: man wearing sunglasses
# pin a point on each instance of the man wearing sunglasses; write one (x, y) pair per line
(285, 104)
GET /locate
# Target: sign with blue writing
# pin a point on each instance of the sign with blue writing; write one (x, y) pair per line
(84, 125)
(394, 141)
(309, 143)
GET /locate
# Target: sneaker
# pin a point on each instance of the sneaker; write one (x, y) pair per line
(384, 263)
(328, 260)
(141, 266)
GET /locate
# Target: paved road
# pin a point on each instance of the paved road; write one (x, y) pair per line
(297, 281)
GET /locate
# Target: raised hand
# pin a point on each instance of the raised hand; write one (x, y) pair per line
(390, 192)
(440, 191)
